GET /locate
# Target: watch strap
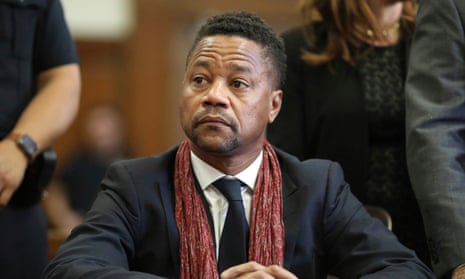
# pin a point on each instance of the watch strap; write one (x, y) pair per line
(26, 144)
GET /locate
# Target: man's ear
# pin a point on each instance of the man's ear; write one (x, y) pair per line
(276, 101)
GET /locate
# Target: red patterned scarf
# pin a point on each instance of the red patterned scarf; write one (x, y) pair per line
(196, 249)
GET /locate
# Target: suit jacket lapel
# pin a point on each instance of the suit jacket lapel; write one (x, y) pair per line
(168, 200)
(291, 223)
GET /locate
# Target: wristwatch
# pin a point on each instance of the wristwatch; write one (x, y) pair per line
(26, 144)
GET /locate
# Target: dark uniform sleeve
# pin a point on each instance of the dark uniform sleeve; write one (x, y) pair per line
(34, 37)
(55, 45)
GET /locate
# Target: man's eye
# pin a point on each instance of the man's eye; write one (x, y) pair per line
(238, 84)
(198, 80)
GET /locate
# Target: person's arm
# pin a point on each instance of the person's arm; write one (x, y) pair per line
(46, 118)
(435, 110)
(55, 103)
(104, 245)
(54, 107)
(358, 245)
(349, 243)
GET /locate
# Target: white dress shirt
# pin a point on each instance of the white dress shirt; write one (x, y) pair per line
(217, 203)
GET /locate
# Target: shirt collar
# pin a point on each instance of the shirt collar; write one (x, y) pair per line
(207, 174)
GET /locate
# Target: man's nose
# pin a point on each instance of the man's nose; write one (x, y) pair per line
(217, 94)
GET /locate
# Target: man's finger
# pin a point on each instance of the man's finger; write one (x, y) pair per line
(5, 196)
(280, 272)
(238, 270)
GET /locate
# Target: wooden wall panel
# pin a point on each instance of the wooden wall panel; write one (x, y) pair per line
(102, 68)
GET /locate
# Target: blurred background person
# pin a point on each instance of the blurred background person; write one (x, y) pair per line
(39, 99)
(344, 101)
(435, 94)
(78, 182)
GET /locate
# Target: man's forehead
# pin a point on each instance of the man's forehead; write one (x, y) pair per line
(226, 38)
(233, 48)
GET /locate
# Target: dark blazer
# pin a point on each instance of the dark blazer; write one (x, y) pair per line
(131, 232)
(323, 110)
(435, 92)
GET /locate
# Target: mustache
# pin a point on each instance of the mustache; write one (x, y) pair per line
(215, 112)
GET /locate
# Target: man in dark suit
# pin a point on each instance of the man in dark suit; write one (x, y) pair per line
(166, 216)
(435, 92)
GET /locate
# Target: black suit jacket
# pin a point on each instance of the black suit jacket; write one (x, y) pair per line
(131, 231)
(435, 95)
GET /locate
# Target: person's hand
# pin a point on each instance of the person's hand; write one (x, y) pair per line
(13, 165)
(252, 270)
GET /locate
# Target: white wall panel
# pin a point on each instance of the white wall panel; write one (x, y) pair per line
(100, 19)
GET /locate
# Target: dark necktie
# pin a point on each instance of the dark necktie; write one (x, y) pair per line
(235, 236)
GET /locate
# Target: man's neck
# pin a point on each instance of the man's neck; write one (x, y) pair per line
(229, 164)
(387, 14)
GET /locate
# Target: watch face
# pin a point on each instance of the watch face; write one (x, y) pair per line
(28, 145)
